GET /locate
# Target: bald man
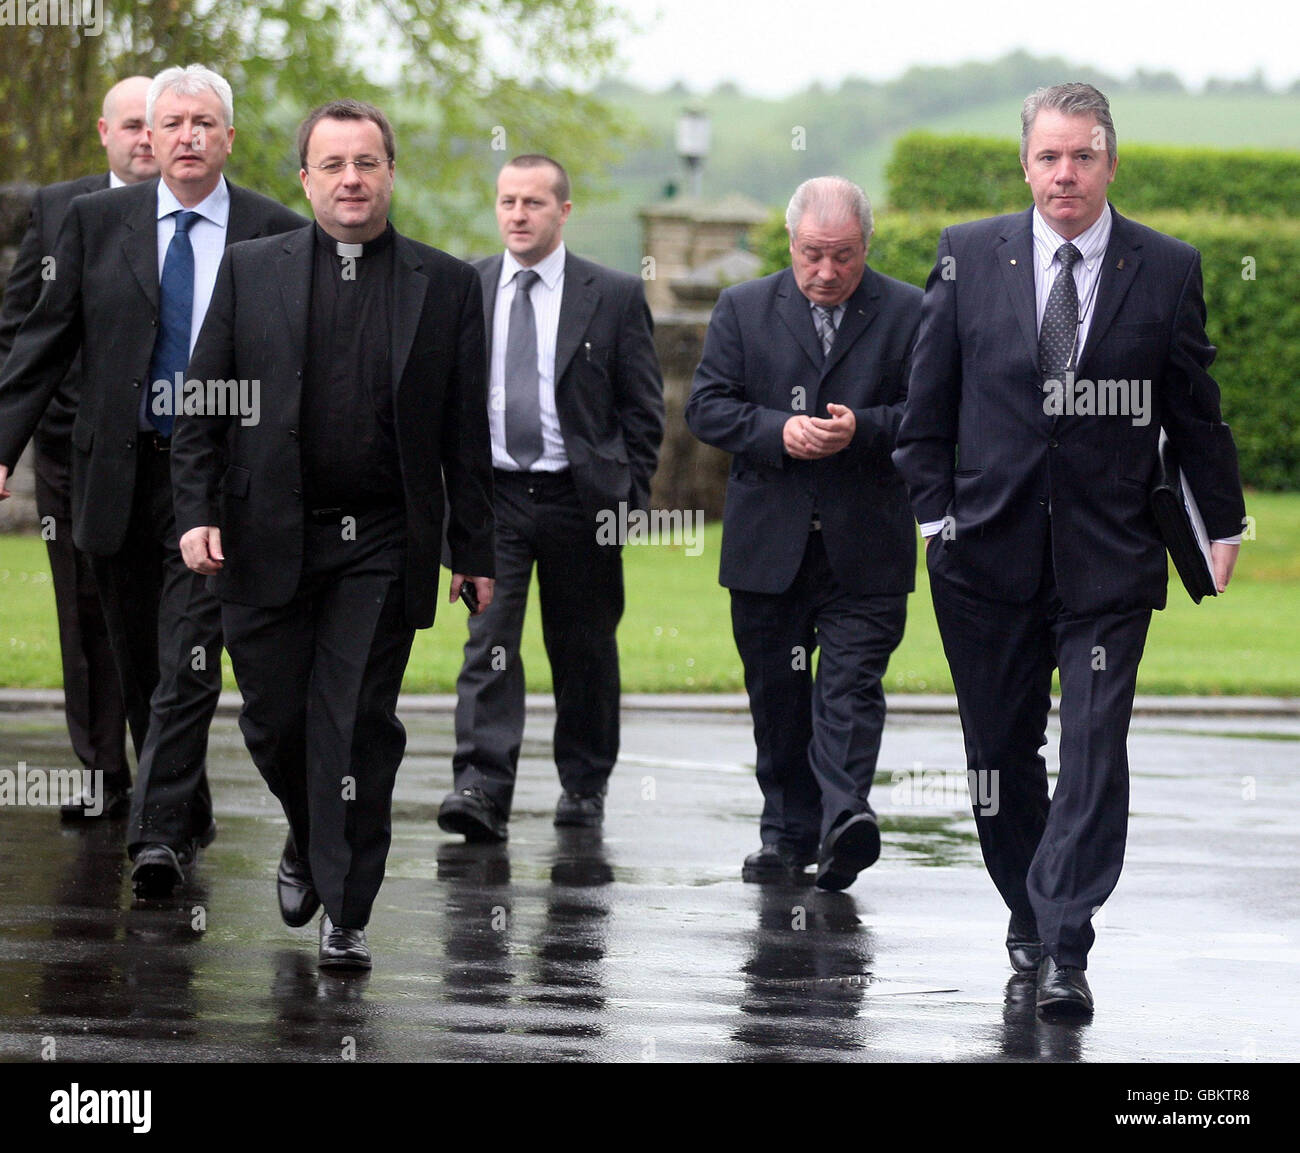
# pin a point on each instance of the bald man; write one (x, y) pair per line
(92, 693)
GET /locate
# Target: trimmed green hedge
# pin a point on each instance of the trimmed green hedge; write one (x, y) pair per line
(982, 176)
(1254, 322)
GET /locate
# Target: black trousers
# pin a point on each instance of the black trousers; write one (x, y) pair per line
(92, 693)
(539, 520)
(1055, 862)
(320, 677)
(165, 629)
(817, 737)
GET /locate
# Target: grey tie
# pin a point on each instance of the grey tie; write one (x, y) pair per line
(523, 409)
(825, 318)
(1060, 325)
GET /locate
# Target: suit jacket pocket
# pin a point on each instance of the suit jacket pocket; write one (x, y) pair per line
(83, 435)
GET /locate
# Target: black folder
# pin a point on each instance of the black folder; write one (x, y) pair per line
(1181, 525)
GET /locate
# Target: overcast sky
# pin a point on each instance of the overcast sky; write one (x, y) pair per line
(775, 47)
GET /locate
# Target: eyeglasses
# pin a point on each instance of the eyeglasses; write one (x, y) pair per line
(366, 165)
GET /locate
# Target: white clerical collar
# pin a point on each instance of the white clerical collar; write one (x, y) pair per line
(342, 248)
(214, 207)
(548, 268)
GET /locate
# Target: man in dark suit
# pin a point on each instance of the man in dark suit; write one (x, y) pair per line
(576, 411)
(92, 695)
(133, 270)
(322, 519)
(802, 379)
(1054, 345)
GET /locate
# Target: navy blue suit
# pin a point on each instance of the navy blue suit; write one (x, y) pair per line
(1052, 558)
(815, 553)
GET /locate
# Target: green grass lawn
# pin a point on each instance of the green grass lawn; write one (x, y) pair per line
(676, 632)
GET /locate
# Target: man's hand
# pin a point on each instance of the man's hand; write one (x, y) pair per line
(1223, 559)
(815, 437)
(201, 550)
(5, 494)
(482, 585)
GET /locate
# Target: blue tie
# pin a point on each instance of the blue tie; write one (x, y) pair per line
(171, 353)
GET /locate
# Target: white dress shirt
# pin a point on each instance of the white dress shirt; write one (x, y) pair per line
(545, 295)
(207, 238)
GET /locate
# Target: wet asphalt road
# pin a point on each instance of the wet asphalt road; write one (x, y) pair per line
(643, 944)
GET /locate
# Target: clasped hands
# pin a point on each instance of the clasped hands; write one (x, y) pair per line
(815, 437)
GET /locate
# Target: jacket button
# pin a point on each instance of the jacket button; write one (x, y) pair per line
(1051, 444)
(293, 432)
(130, 443)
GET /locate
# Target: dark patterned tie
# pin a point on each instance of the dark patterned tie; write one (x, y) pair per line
(523, 408)
(1060, 324)
(825, 318)
(171, 351)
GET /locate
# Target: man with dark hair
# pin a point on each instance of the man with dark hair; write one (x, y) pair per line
(92, 694)
(1041, 546)
(133, 271)
(322, 522)
(576, 412)
(802, 380)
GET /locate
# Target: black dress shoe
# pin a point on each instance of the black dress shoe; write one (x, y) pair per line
(848, 849)
(770, 866)
(342, 948)
(1023, 945)
(474, 814)
(156, 872)
(111, 803)
(293, 886)
(580, 810)
(1063, 990)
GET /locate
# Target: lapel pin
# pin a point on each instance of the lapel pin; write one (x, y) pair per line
(1013, 260)
(1121, 263)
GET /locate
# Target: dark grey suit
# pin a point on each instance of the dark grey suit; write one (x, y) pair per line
(92, 694)
(164, 624)
(843, 585)
(609, 397)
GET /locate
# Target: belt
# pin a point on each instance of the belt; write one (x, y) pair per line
(338, 512)
(154, 440)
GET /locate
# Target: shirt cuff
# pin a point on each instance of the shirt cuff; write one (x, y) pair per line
(1227, 539)
(930, 527)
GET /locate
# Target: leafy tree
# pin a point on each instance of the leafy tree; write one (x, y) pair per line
(475, 82)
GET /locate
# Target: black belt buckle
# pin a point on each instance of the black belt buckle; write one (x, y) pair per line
(156, 441)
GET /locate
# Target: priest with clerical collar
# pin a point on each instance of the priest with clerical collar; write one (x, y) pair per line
(322, 523)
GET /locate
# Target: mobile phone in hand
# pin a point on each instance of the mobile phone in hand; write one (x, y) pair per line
(469, 594)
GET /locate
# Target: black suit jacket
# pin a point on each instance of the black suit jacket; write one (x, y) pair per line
(23, 288)
(103, 301)
(247, 479)
(609, 393)
(763, 364)
(977, 444)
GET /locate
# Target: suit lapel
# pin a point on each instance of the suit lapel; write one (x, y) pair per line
(490, 275)
(795, 313)
(140, 245)
(409, 289)
(859, 311)
(577, 306)
(1118, 269)
(293, 269)
(245, 221)
(1015, 256)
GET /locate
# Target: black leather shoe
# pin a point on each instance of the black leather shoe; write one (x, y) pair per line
(293, 886)
(342, 948)
(1023, 945)
(474, 814)
(848, 849)
(111, 803)
(580, 810)
(771, 866)
(1063, 990)
(156, 872)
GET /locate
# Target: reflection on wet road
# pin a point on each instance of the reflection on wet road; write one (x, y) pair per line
(642, 943)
